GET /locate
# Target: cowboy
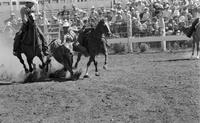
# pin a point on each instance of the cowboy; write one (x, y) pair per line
(12, 19)
(19, 36)
(93, 15)
(70, 40)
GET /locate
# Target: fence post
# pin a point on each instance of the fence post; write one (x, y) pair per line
(129, 31)
(163, 43)
(163, 33)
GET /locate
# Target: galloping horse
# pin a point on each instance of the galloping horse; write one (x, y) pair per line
(95, 43)
(63, 55)
(195, 36)
(31, 45)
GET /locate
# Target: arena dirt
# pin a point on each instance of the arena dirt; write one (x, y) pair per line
(137, 88)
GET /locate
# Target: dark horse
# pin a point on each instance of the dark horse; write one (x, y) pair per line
(64, 56)
(195, 36)
(95, 43)
(31, 45)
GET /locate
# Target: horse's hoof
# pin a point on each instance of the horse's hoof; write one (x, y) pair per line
(86, 76)
(97, 74)
(105, 67)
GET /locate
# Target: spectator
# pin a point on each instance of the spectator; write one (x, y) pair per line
(140, 6)
(93, 13)
(76, 11)
(167, 12)
(109, 15)
(161, 23)
(145, 15)
(77, 22)
(12, 19)
(117, 20)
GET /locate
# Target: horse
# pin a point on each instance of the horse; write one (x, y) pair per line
(64, 56)
(95, 43)
(31, 45)
(195, 36)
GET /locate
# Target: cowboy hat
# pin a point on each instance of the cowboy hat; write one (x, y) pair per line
(66, 24)
(31, 1)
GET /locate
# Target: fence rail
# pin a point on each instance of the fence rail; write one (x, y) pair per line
(161, 39)
(54, 32)
(149, 39)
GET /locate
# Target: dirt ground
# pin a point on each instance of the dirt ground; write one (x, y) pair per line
(137, 88)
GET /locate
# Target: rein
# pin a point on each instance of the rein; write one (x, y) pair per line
(51, 42)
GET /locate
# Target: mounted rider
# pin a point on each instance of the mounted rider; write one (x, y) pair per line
(70, 40)
(25, 11)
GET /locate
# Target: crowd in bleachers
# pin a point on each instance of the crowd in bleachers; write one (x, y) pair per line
(144, 17)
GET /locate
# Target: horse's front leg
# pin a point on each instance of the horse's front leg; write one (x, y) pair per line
(96, 68)
(105, 62)
(22, 62)
(88, 64)
(78, 60)
(48, 63)
(193, 47)
(30, 62)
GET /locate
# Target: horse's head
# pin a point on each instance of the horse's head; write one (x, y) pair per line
(103, 27)
(31, 17)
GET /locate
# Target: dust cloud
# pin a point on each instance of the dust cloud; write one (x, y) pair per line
(11, 70)
(10, 67)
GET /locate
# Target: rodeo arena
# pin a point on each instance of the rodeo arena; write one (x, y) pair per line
(99, 61)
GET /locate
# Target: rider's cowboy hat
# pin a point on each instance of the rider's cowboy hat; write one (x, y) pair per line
(66, 24)
(31, 1)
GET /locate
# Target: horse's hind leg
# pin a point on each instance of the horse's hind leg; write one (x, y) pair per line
(78, 60)
(42, 60)
(22, 62)
(88, 64)
(197, 49)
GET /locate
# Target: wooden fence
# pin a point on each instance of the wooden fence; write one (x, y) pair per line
(54, 32)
